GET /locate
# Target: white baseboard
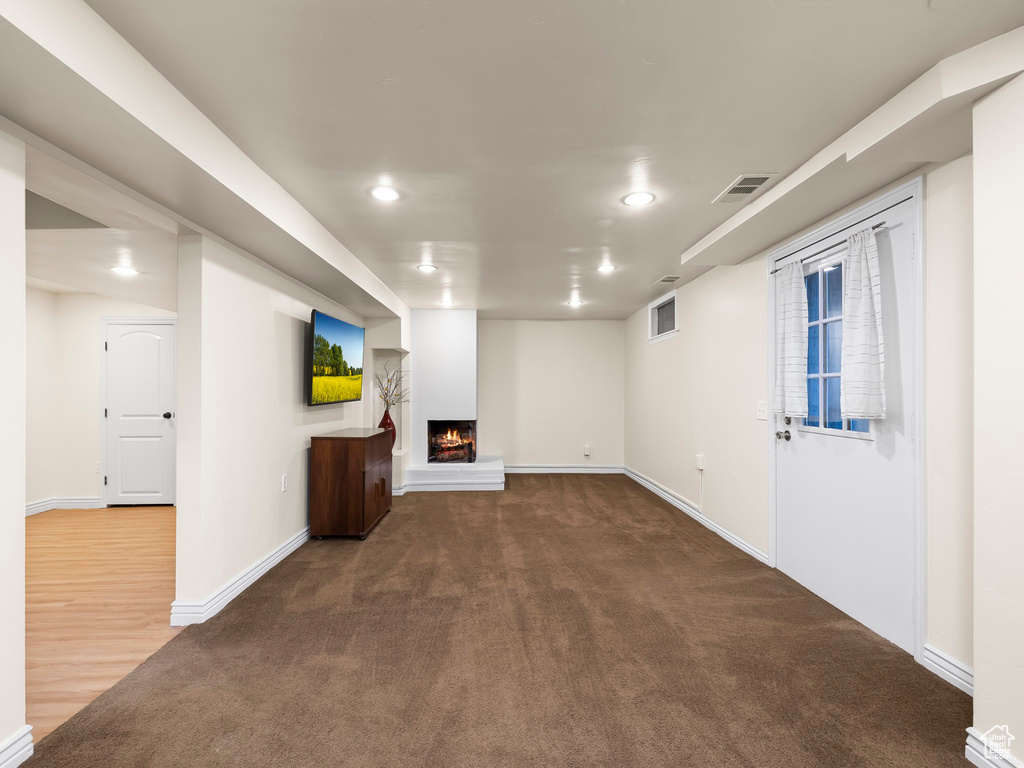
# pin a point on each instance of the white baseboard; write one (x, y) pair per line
(399, 491)
(681, 503)
(17, 749)
(948, 668)
(63, 502)
(184, 612)
(563, 469)
(975, 753)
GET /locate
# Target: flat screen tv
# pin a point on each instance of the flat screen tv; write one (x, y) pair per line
(335, 360)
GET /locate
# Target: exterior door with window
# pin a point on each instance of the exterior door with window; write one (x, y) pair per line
(139, 424)
(845, 490)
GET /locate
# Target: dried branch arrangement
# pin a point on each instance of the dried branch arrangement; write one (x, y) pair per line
(391, 387)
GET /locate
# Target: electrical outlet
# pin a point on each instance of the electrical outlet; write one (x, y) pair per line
(284, 483)
(699, 463)
(586, 449)
(762, 410)
(97, 467)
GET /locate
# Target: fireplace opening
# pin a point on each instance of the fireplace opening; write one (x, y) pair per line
(451, 441)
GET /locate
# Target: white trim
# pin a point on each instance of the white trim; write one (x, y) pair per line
(789, 251)
(17, 748)
(185, 612)
(63, 502)
(948, 668)
(663, 337)
(917, 431)
(399, 491)
(678, 501)
(975, 753)
(105, 323)
(563, 469)
(154, 320)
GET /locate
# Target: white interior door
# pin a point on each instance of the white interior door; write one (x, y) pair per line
(846, 491)
(139, 413)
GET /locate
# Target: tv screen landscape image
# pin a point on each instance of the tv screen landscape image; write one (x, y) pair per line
(336, 361)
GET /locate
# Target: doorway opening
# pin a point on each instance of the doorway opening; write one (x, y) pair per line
(101, 299)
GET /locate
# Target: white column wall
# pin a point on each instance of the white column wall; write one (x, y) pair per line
(998, 417)
(443, 372)
(12, 438)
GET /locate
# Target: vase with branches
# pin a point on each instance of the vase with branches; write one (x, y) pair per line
(392, 391)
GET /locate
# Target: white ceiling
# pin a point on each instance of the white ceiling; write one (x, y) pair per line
(80, 259)
(514, 128)
(84, 227)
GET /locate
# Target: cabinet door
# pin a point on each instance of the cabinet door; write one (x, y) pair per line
(370, 502)
(371, 505)
(385, 484)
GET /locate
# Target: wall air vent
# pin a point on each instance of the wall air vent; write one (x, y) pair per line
(744, 188)
(667, 279)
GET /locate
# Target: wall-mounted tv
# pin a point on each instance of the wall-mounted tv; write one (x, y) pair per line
(335, 360)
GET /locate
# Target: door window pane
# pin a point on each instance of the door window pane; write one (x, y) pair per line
(834, 290)
(833, 346)
(812, 348)
(832, 418)
(812, 296)
(813, 409)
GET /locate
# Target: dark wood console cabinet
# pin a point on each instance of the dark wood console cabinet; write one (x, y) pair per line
(349, 482)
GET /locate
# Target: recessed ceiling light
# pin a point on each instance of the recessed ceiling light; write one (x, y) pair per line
(574, 303)
(638, 198)
(606, 268)
(385, 194)
(123, 270)
(426, 268)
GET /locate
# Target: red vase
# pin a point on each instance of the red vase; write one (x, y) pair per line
(387, 423)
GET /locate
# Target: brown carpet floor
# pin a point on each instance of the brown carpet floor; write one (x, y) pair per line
(569, 621)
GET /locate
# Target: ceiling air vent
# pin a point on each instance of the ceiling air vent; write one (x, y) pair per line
(744, 188)
(667, 279)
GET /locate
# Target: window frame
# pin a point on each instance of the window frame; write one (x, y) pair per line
(671, 296)
(818, 267)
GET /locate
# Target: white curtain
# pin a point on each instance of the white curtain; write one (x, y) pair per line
(862, 389)
(791, 342)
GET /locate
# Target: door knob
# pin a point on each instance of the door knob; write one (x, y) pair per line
(783, 435)
(167, 415)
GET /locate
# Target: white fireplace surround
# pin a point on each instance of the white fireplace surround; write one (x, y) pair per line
(443, 370)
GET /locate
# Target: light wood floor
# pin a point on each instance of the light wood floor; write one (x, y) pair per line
(99, 586)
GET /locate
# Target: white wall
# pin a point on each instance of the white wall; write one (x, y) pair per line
(63, 405)
(949, 404)
(12, 437)
(243, 418)
(41, 379)
(998, 417)
(443, 372)
(547, 388)
(698, 392)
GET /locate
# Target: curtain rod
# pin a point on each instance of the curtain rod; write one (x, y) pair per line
(879, 225)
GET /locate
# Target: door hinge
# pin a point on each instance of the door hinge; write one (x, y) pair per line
(104, 346)
(104, 479)
(104, 413)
